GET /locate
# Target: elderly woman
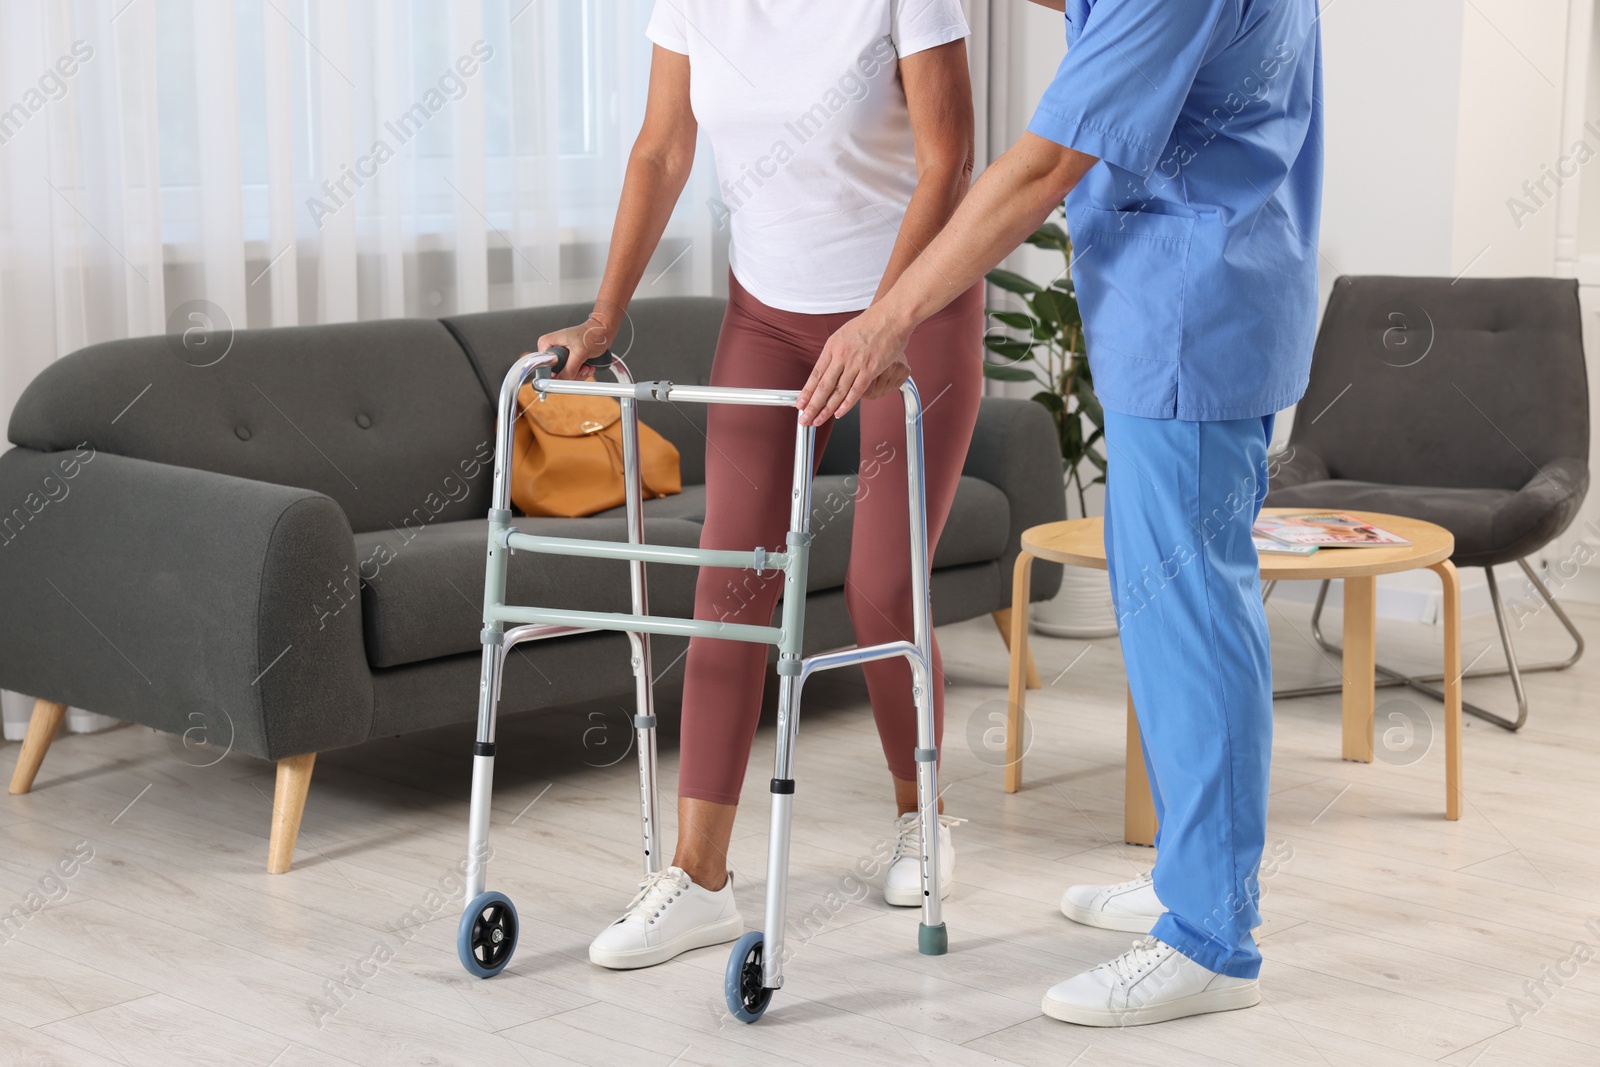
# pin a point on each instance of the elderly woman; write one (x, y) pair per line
(842, 131)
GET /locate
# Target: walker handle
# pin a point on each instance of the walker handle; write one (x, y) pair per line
(561, 353)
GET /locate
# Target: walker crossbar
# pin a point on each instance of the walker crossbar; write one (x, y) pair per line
(488, 928)
(645, 624)
(759, 560)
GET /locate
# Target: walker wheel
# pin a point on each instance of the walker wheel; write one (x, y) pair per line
(747, 997)
(487, 935)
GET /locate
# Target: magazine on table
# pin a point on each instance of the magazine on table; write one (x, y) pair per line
(1324, 529)
(1271, 546)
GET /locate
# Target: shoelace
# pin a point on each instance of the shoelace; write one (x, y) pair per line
(1138, 883)
(1132, 965)
(655, 893)
(908, 830)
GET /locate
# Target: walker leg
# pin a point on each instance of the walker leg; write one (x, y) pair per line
(932, 938)
(644, 735)
(773, 921)
(483, 771)
(790, 647)
(644, 715)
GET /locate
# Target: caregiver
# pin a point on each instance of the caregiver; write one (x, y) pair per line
(1187, 141)
(842, 131)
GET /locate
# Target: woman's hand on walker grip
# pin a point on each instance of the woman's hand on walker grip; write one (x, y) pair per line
(864, 359)
(583, 342)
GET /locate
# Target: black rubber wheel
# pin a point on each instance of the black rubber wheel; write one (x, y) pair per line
(487, 935)
(746, 995)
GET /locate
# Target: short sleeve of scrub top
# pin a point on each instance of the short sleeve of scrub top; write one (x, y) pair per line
(1195, 236)
(1128, 70)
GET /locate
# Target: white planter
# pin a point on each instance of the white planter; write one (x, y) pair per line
(1082, 609)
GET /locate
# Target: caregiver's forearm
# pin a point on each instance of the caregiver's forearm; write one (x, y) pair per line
(1012, 198)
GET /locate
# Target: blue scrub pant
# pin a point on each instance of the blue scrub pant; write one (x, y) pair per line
(1181, 498)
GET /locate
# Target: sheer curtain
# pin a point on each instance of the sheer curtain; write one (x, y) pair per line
(282, 162)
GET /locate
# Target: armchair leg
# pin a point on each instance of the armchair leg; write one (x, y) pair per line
(1002, 620)
(1427, 683)
(288, 805)
(42, 727)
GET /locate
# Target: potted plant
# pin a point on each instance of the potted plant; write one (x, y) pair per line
(1043, 344)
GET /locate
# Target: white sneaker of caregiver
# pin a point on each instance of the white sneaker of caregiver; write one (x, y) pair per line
(670, 916)
(1132, 907)
(1150, 983)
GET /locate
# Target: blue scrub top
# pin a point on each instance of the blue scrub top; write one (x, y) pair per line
(1196, 236)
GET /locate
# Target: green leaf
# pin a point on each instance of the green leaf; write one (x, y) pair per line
(1011, 350)
(1049, 400)
(1053, 306)
(1011, 282)
(1088, 403)
(1049, 236)
(1014, 319)
(1002, 373)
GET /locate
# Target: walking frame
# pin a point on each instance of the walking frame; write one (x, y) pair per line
(487, 933)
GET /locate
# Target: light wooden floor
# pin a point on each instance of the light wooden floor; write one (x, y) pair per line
(1392, 937)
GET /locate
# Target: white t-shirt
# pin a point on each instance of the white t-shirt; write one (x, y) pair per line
(805, 112)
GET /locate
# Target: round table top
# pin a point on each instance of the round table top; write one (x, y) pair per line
(1081, 543)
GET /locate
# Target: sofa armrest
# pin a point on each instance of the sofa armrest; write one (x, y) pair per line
(179, 598)
(1014, 447)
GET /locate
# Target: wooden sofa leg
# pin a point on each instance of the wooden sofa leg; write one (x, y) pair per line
(42, 727)
(288, 804)
(1002, 619)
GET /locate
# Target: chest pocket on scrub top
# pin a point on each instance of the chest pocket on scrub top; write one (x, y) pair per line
(1130, 268)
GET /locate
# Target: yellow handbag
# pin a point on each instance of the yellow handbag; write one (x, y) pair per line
(567, 456)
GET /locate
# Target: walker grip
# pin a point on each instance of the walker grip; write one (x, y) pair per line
(561, 353)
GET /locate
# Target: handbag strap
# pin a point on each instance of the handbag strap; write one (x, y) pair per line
(619, 463)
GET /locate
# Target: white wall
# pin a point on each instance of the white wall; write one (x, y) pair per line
(1436, 112)
(1390, 90)
(1513, 72)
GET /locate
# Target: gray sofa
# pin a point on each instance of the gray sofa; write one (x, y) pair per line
(287, 546)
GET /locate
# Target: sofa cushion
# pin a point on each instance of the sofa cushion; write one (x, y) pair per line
(387, 418)
(421, 589)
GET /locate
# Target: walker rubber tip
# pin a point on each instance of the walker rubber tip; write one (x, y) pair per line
(933, 940)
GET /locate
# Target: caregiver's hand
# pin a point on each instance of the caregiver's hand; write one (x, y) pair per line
(865, 358)
(583, 342)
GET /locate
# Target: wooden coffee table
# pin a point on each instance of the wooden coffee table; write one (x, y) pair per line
(1081, 543)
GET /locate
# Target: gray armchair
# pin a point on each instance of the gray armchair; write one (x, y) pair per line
(1464, 403)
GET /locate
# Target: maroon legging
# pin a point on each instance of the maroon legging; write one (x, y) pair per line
(749, 474)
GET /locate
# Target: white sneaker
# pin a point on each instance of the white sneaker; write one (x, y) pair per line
(1150, 983)
(902, 882)
(671, 915)
(1129, 906)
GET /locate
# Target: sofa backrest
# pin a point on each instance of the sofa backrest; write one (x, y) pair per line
(665, 338)
(669, 338)
(388, 418)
